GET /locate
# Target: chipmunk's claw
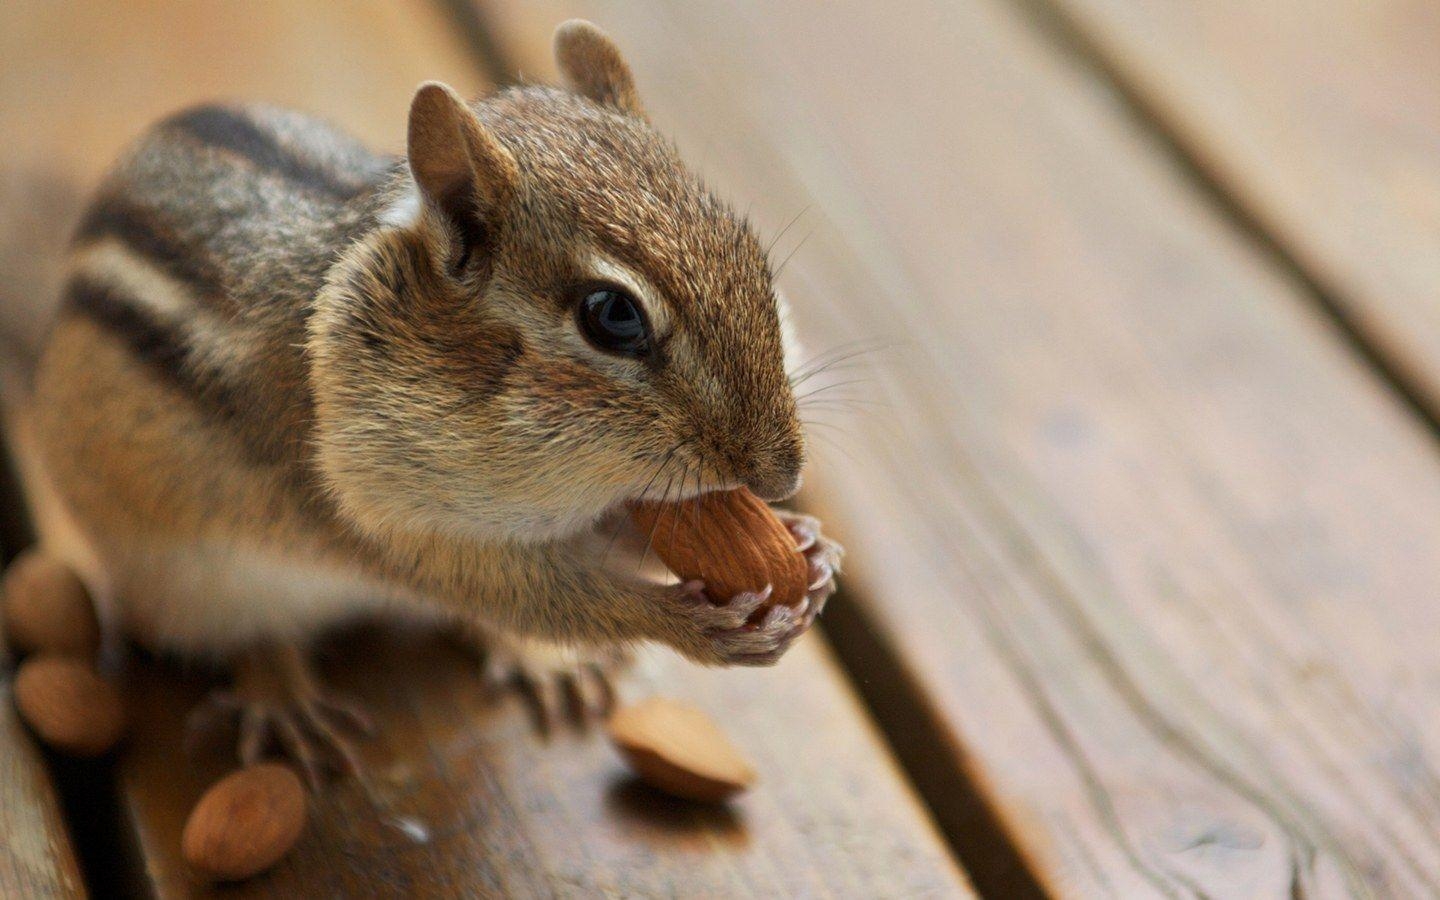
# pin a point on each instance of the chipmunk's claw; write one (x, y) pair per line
(745, 630)
(277, 708)
(560, 684)
(822, 556)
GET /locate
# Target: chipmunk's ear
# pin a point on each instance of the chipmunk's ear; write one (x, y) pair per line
(459, 167)
(593, 67)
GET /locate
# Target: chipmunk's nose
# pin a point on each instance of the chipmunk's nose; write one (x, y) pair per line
(775, 474)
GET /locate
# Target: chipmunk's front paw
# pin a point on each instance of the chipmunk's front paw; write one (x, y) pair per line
(744, 630)
(822, 556)
(560, 682)
(278, 707)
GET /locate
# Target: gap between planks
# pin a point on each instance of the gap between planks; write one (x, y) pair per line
(114, 865)
(1146, 132)
(876, 671)
(82, 788)
(1061, 28)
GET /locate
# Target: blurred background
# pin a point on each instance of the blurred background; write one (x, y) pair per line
(1132, 317)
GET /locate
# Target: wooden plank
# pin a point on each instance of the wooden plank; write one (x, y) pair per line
(1321, 121)
(470, 801)
(1154, 552)
(36, 856)
(465, 799)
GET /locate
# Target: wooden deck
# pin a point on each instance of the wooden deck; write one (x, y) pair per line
(1141, 482)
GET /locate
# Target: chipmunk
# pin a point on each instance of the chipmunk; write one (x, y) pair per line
(293, 381)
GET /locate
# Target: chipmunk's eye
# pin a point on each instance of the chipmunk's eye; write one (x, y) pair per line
(613, 321)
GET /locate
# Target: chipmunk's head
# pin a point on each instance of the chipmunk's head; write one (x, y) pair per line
(554, 317)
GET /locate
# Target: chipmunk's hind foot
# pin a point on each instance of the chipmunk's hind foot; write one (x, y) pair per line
(559, 683)
(277, 707)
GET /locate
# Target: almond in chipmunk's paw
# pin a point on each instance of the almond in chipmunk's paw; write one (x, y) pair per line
(245, 823)
(679, 750)
(47, 608)
(731, 540)
(69, 705)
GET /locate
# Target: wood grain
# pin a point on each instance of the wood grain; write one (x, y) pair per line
(465, 799)
(1322, 122)
(36, 857)
(81, 79)
(1154, 552)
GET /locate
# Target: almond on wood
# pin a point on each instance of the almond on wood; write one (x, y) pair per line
(245, 823)
(678, 749)
(69, 705)
(47, 608)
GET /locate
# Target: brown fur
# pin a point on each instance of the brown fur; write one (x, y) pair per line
(281, 352)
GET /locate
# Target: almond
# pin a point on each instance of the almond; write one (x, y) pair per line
(69, 705)
(245, 823)
(47, 608)
(679, 750)
(731, 540)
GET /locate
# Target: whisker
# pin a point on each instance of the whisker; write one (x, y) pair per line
(815, 392)
(821, 423)
(650, 538)
(620, 520)
(776, 239)
(786, 261)
(835, 444)
(844, 402)
(675, 522)
(840, 365)
(842, 355)
(839, 348)
(675, 448)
